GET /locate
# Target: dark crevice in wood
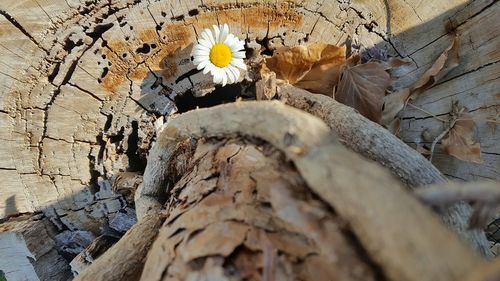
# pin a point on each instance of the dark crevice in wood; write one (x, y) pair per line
(188, 101)
(135, 161)
(17, 25)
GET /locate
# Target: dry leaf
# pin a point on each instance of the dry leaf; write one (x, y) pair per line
(459, 142)
(265, 87)
(398, 67)
(446, 62)
(363, 87)
(315, 67)
(393, 104)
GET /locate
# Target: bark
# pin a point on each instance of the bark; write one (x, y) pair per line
(330, 171)
(376, 143)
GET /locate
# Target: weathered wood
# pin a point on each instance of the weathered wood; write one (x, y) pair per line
(30, 250)
(364, 136)
(79, 91)
(330, 170)
(237, 203)
(63, 84)
(373, 141)
(125, 259)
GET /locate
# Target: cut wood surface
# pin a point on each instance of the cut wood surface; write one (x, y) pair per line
(83, 82)
(79, 81)
(331, 171)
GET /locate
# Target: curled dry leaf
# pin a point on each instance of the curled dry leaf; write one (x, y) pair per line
(446, 62)
(315, 67)
(395, 102)
(459, 141)
(363, 87)
(266, 86)
(399, 67)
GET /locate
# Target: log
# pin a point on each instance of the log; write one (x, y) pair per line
(376, 143)
(331, 172)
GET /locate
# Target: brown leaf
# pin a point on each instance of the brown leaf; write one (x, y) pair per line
(315, 67)
(363, 88)
(399, 67)
(393, 104)
(446, 62)
(459, 142)
(265, 87)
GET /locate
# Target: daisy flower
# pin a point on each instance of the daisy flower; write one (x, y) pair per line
(220, 53)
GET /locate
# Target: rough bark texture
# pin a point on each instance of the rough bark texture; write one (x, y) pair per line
(239, 211)
(353, 186)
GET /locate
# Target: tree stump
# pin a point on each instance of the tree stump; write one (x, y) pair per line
(84, 82)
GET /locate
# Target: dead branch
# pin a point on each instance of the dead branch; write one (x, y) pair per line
(484, 197)
(375, 142)
(397, 234)
(364, 136)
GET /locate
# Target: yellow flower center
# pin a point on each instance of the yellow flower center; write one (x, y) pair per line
(220, 55)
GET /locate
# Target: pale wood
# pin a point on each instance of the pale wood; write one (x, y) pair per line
(125, 259)
(29, 252)
(331, 171)
(75, 116)
(55, 106)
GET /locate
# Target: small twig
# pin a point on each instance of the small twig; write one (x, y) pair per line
(438, 138)
(427, 112)
(441, 136)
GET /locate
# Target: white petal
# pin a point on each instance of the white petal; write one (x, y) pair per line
(201, 47)
(205, 43)
(237, 45)
(224, 32)
(239, 55)
(238, 63)
(230, 75)
(202, 65)
(216, 33)
(217, 76)
(201, 53)
(224, 78)
(229, 39)
(235, 71)
(221, 74)
(208, 68)
(198, 59)
(207, 35)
